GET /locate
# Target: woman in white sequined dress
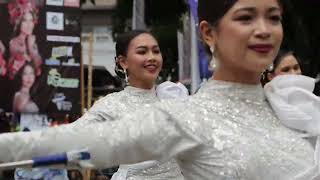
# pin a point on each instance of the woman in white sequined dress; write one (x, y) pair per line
(227, 131)
(138, 61)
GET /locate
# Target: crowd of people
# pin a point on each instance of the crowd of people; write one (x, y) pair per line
(232, 128)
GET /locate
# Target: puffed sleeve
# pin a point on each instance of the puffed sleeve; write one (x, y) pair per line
(150, 133)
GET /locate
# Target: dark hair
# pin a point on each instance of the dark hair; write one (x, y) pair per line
(278, 59)
(213, 10)
(122, 43)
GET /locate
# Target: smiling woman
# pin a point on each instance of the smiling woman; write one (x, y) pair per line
(139, 59)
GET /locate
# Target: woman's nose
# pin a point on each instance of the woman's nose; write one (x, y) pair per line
(151, 56)
(262, 29)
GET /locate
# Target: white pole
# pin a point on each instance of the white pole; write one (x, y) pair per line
(138, 14)
(195, 74)
(180, 54)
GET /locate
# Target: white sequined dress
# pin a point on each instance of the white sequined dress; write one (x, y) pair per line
(227, 131)
(113, 107)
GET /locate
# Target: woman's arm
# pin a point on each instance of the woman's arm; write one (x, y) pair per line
(144, 135)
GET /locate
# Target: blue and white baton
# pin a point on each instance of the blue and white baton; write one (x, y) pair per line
(79, 158)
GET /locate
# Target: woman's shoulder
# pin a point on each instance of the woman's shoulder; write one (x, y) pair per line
(105, 108)
(109, 99)
(19, 95)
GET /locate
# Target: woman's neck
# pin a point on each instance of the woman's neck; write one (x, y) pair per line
(25, 90)
(142, 84)
(237, 76)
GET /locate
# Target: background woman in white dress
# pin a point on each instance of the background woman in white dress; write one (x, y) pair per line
(138, 61)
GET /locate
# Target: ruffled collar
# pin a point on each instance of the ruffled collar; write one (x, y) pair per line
(236, 91)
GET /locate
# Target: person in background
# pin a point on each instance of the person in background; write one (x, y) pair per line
(23, 47)
(138, 62)
(286, 62)
(227, 130)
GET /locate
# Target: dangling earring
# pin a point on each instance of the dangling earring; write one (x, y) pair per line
(213, 62)
(126, 76)
(212, 50)
(270, 67)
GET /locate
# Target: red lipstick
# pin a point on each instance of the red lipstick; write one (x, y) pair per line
(261, 48)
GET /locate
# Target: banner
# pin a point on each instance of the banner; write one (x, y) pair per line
(40, 57)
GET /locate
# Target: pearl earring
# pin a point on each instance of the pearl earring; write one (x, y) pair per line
(213, 62)
(270, 67)
(212, 50)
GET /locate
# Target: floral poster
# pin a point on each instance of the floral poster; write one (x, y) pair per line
(39, 57)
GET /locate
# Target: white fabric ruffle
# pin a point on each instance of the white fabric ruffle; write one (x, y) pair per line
(297, 107)
(170, 90)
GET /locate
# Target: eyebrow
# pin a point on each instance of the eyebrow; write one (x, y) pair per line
(253, 9)
(250, 9)
(272, 9)
(145, 47)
